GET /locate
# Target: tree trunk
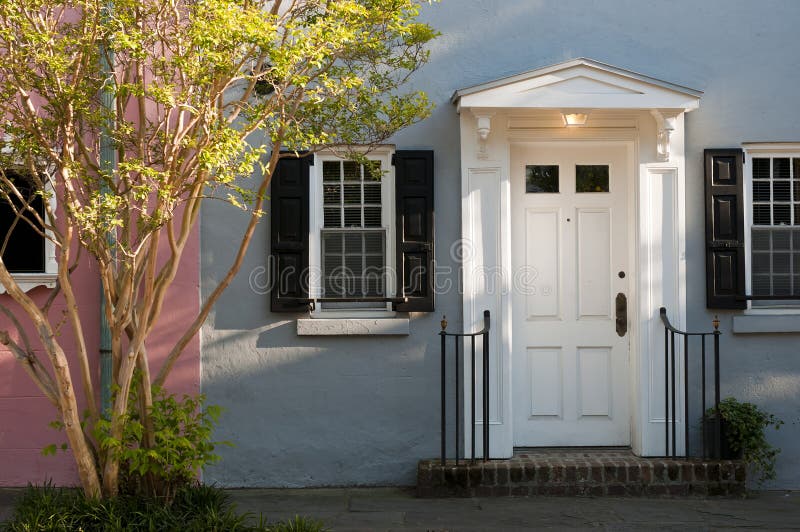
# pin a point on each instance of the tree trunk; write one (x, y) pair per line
(87, 467)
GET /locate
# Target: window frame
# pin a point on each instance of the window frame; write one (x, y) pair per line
(762, 150)
(384, 154)
(29, 280)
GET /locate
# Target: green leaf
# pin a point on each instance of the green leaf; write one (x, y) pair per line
(49, 450)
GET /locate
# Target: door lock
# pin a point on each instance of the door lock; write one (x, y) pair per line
(622, 314)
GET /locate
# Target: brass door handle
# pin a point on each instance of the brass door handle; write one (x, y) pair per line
(622, 314)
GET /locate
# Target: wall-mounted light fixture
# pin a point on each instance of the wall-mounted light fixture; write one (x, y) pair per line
(575, 117)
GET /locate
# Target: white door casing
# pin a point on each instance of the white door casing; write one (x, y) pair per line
(624, 107)
(570, 257)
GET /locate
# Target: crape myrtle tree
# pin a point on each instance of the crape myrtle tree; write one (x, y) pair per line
(205, 97)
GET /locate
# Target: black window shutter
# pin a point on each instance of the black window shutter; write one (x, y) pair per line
(725, 275)
(289, 204)
(414, 196)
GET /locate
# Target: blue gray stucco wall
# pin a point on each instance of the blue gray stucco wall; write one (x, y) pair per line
(312, 411)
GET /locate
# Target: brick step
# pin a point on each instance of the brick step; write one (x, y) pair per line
(581, 472)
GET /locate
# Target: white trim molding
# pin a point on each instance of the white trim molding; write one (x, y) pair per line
(383, 153)
(788, 308)
(665, 122)
(48, 277)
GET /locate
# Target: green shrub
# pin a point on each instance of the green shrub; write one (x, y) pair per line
(181, 445)
(745, 427)
(194, 508)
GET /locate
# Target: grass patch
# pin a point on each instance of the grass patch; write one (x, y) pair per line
(194, 509)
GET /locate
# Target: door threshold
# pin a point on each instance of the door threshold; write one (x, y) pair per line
(526, 448)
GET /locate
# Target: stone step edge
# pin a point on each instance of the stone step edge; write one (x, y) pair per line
(515, 478)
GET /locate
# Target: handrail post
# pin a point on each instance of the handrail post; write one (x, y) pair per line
(443, 334)
(718, 424)
(486, 320)
(686, 395)
(666, 391)
(703, 391)
(674, 413)
(458, 398)
(472, 398)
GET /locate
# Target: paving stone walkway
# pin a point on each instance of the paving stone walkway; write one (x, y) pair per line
(398, 509)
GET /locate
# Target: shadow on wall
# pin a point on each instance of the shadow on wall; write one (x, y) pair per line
(332, 411)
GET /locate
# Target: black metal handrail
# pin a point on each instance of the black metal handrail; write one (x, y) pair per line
(670, 387)
(485, 384)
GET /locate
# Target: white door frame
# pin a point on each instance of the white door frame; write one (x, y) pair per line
(657, 253)
(628, 142)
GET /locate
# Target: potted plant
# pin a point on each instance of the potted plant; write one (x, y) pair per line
(743, 432)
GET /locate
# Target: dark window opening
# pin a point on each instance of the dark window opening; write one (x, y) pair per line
(24, 246)
(541, 179)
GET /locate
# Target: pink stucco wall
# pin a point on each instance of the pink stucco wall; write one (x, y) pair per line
(24, 411)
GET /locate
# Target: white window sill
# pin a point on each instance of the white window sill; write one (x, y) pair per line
(755, 323)
(353, 327)
(29, 281)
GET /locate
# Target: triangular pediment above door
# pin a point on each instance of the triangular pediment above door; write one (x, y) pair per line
(580, 83)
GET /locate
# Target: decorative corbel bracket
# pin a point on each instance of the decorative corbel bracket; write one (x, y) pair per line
(484, 127)
(665, 123)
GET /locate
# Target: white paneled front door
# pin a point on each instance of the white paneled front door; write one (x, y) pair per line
(570, 256)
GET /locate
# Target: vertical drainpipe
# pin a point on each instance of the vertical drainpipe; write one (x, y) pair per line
(108, 163)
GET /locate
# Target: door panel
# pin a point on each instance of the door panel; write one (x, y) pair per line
(542, 252)
(545, 375)
(570, 236)
(594, 263)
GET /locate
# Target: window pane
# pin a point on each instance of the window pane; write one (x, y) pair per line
(373, 242)
(24, 251)
(333, 244)
(761, 285)
(330, 171)
(780, 168)
(781, 285)
(541, 178)
(352, 171)
(781, 214)
(761, 215)
(760, 239)
(352, 217)
(781, 240)
(761, 168)
(332, 217)
(780, 191)
(331, 194)
(373, 286)
(372, 171)
(374, 262)
(761, 263)
(352, 194)
(781, 263)
(372, 193)
(353, 242)
(356, 270)
(591, 178)
(372, 216)
(761, 191)
(353, 264)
